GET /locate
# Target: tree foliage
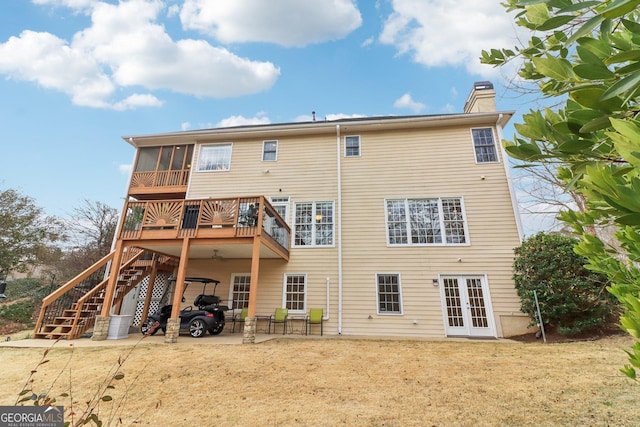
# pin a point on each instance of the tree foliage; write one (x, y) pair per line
(92, 226)
(572, 298)
(587, 54)
(24, 232)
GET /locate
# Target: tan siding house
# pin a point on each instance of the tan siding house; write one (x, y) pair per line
(393, 226)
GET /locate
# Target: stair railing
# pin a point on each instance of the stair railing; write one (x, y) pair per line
(95, 292)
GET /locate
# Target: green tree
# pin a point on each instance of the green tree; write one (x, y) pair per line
(571, 298)
(586, 54)
(24, 232)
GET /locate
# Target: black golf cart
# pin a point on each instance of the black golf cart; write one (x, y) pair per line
(208, 314)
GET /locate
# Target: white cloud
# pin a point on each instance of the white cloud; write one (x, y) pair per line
(440, 33)
(125, 169)
(259, 119)
(327, 118)
(284, 22)
(125, 48)
(405, 101)
(185, 125)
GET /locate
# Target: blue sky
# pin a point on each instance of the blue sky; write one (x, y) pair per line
(76, 75)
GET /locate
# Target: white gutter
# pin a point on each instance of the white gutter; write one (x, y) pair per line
(339, 236)
(507, 169)
(328, 282)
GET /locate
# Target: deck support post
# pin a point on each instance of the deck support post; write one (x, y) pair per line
(174, 322)
(249, 336)
(250, 326)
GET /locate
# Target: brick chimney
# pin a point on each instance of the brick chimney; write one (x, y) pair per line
(482, 98)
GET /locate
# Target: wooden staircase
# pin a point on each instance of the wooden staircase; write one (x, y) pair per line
(72, 309)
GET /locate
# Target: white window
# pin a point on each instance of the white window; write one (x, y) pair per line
(240, 291)
(214, 158)
(425, 221)
(295, 293)
(352, 146)
(389, 294)
(269, 151)
(484, 145)
(313, 224)
(281, 205)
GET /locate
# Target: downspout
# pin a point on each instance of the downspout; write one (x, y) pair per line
(327, 288)
(512, 192)
(339, 234)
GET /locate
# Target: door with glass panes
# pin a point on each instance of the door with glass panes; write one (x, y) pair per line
(467, 306)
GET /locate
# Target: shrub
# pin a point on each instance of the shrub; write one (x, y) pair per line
(571, 298)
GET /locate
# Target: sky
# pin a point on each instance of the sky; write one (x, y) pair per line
(77, 75)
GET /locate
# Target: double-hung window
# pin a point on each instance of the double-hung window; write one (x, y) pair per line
(269, 151)
(389, 295)
(484, 145)
(295, 293)
(425, 221)
(352, 146)
(240, 290)
(313, 224)
(214, 158)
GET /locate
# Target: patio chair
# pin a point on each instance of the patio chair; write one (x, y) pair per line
(315, 318)
(239, 318)
(280, 316)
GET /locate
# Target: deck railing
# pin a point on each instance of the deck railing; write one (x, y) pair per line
(223, 217)
(168, 178)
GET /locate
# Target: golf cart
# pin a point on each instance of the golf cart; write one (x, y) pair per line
(208, 314)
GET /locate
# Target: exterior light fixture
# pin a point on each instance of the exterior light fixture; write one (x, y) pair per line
(435, 282)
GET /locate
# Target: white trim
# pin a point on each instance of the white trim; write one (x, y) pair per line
(233, 283)
(512, 191)
(495, 142)
(202, 146)
(389, 313)
(264, 144)
(284, 292)
(359, 145)
(488, 306)
(313, 229)
(441, 221)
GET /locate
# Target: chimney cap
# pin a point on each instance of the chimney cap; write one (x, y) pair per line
(483, 85)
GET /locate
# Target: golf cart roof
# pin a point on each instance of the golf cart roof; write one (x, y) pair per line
(204, 280)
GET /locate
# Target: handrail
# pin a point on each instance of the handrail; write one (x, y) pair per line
(96, 289)
(179, 218)
(76, 280)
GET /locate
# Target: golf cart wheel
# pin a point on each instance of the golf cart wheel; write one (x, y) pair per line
(148, 327)
(197, 328)
(217, 329)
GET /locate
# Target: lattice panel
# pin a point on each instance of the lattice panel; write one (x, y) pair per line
(164, 213)
(158, 291)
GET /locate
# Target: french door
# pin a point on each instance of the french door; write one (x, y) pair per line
(467, 306)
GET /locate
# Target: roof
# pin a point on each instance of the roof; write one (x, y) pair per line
(358, 124)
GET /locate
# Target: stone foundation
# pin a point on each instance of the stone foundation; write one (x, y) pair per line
(250, 326)
(173, 331)
(101, 328)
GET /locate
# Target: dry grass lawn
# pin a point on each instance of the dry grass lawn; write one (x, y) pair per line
(342, 381)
